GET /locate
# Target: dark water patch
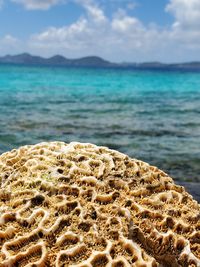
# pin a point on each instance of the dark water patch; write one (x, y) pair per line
(8, 138)
(65, 126)
(31, 125)
(189, 125)
(140, 133)
(61, 102)
(77, 116)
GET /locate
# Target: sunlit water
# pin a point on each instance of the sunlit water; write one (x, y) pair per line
(153, 116)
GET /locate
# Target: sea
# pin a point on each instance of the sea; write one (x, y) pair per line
(153, 116)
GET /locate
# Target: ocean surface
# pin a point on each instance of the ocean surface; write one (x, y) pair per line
(150, 115)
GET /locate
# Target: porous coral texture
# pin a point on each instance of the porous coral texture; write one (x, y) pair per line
(87, 206)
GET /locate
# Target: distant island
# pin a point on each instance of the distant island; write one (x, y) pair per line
(93, 61)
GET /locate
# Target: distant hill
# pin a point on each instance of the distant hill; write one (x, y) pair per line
(93, 61)
(57, 60)
(22, 59)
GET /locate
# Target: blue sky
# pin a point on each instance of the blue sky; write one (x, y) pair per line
(118, 30)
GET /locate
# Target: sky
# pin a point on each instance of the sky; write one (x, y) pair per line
(117, 30)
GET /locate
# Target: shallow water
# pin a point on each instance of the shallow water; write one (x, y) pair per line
(153, 116)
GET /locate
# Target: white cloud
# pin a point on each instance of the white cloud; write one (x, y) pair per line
(186, 13)
(124, 23)
(37, 4)
(185, 30)
(94, 12)
(55, 36)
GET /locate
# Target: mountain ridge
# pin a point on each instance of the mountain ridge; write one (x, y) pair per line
(93, 61)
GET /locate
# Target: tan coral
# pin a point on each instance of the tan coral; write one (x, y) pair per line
(87, 206)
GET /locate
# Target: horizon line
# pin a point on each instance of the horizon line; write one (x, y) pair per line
(102, 58)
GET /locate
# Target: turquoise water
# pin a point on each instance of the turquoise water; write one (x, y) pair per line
(153, 116)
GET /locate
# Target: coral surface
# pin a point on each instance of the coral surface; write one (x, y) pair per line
(88, 206)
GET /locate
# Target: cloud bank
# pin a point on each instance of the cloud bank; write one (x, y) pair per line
(120, 37)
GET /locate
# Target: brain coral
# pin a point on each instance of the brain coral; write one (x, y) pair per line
(88, 206)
